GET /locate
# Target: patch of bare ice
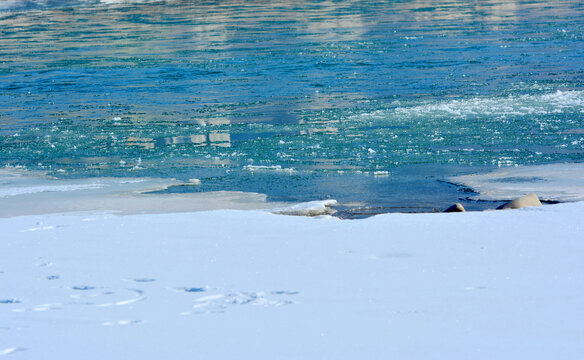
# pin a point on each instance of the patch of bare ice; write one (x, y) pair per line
(551, 182)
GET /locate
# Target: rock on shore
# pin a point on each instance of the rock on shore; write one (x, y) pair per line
(524, 201)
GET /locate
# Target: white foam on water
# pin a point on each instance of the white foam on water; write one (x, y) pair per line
(551, 182)
(521, 105)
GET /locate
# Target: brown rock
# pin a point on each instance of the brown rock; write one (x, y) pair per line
(524, 201)
(455, 208)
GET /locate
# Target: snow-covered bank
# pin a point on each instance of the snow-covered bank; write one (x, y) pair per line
(243, 284)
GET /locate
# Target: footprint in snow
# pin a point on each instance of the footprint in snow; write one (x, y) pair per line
(193, 289)
(219, 303)
(139, 296)
(83, 287)
(189, 289)
(283, 292)
(9, 301)
(114, 298)
(41, 307)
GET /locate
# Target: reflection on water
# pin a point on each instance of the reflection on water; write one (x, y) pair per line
(220, 138)
(178, 87)
(214, 138)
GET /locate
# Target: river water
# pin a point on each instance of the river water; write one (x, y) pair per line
(372, 103)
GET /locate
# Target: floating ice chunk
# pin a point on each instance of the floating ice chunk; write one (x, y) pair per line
(381, 173)
(278, 168)
(311, 208)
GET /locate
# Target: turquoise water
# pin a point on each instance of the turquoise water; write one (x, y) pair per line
(366, 102)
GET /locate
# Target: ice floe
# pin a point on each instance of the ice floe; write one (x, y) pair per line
(25, 192)
(551, 182)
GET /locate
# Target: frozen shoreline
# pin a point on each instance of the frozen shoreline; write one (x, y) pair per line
(24, 192)
(142, 280)
(227, 284)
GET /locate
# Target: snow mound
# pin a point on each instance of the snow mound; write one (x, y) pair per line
(311, 208)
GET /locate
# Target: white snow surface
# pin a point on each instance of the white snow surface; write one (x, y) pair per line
(234, 284)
